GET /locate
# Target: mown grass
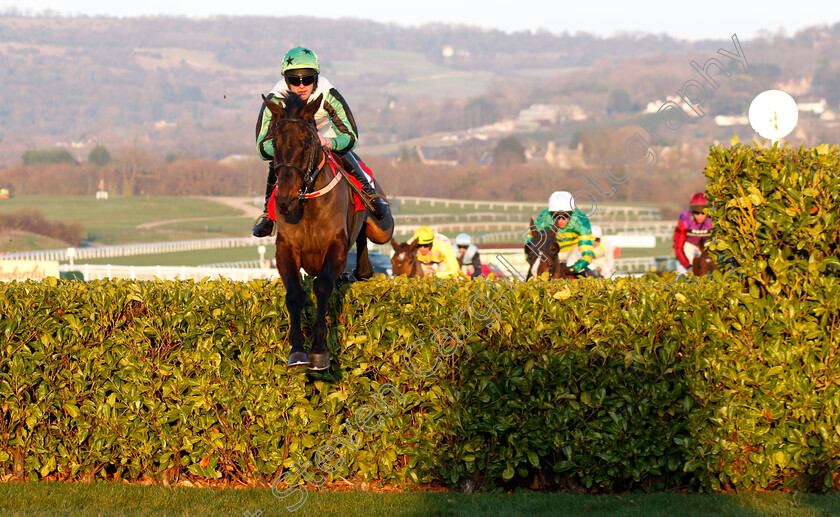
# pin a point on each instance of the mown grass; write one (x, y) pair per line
(50, 499)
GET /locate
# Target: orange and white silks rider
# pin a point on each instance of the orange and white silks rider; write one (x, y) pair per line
(434, 252)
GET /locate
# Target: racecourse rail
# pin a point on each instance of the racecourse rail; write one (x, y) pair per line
(254, 269)
(505, 232)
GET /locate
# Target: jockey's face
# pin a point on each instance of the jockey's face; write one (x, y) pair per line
(297, 85)
(698, 215)
(560, 220)
(303, 91)
(424, 249)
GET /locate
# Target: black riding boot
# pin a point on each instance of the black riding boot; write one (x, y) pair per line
(263, 226)
(377, 204)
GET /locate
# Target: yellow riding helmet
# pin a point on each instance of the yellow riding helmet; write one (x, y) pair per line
(424, 235)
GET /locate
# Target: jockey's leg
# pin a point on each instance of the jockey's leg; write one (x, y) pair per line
(377, 203)
(263, 226)
(571, 257)
(690, 251)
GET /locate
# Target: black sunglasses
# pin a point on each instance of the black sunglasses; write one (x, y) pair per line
(462, 246)
(297, 81)
(694, 211)
(429, 245)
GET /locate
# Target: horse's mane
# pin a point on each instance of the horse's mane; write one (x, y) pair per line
(293, 104)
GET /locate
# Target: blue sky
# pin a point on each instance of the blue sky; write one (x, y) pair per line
(713, 19)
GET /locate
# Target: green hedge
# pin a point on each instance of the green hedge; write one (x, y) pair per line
(777, 214)
(724, 383)
(610, 384)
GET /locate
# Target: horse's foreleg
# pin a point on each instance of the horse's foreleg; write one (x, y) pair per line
(319, 355)
(289, 271)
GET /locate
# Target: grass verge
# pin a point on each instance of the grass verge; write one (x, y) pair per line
(50, 499)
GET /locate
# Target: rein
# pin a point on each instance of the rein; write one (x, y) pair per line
(310, 174)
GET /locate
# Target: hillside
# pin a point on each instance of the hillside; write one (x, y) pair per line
(184, 86)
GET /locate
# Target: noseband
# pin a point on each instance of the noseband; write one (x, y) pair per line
(311, 172)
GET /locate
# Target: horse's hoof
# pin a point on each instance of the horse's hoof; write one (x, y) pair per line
(319, 361)
(299, 359)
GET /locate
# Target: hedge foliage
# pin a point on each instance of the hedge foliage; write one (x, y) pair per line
(610, 384)
(777, 214)
(724, 383)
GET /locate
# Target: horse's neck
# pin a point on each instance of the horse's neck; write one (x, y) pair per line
(418, 268)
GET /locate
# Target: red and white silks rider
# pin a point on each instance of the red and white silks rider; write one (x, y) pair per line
(693, 226)
(334, 121)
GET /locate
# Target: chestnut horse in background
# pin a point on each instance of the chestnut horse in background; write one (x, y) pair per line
(316, 222)
(404, 261)
(703, 264)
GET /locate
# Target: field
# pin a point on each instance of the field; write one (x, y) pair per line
(127, 220)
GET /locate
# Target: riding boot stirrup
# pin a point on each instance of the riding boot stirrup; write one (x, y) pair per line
(263, 226)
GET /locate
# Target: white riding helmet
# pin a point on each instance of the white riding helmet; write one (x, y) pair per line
(462, 239)
(561, 201)
(596, 231)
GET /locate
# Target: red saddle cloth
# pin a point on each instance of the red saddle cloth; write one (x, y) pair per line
(335, 168)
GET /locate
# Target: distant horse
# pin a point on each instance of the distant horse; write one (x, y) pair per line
(703, 263)
(542, 252)
(404, 261)
(316, 222)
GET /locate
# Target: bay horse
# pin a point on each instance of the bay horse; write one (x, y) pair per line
(404, 261)
(542, 253)
(316, 221)
(703, 263)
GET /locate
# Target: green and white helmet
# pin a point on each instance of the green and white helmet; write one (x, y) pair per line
(301, 61)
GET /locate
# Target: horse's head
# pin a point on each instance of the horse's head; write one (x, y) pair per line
(296, 147)
(404, 261)
(703, 263)
(542, 252)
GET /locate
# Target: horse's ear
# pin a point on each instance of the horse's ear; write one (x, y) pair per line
(277, 110)
(412, 245)
(394, 244)
(308, 113)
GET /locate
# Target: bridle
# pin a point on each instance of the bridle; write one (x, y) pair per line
(310, 174)
(552, 270)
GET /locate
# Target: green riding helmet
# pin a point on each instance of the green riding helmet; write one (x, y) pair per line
(301, 61)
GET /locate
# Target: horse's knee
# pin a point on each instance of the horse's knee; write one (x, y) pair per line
(379, 232)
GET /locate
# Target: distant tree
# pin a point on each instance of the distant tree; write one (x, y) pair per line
(99, 155)
(132, 163)
(508, 152)
(41, 156)
(620, 102)
(480, 111)
(827, 83)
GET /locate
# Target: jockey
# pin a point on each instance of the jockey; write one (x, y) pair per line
(573, 232)
(435, 253)
(335, 123)
(604, 263)
(693, 226)
(467, 255)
